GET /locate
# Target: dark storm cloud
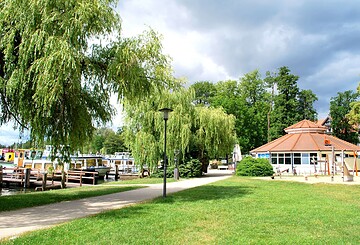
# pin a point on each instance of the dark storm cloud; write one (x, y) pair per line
(317, 40)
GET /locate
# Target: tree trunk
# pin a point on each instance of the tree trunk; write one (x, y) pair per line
(63, 185)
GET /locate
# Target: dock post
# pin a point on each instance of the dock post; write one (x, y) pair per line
(1, 176)
(44, 177)
(27, 178)
(116, 172)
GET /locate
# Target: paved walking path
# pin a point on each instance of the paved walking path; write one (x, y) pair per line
(13, 223)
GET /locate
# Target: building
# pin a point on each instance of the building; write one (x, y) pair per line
(308, 149)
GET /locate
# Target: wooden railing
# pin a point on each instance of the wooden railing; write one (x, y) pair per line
(79, 175)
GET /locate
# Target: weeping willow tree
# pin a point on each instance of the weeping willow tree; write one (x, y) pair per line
(57, 84)
(206, 131)
(145, 126)
(214, 133)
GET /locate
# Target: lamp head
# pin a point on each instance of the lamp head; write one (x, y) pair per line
(166, 112)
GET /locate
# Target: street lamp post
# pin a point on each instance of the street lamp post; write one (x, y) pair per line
(166, 112)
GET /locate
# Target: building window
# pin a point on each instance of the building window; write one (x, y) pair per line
(305, 158)
(297, 158)
(274, 158)
(281, 158)
(287, 158)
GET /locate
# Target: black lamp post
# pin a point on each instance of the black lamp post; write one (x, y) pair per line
(166, 112)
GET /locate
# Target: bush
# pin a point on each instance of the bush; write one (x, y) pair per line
(190, 169)
(254, 167)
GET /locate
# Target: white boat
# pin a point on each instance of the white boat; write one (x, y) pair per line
(124, 161)
(90, 162)
(40, 159)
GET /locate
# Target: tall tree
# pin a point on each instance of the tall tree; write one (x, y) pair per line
(114, 142)
(253, 90)
(247, 100)
(202, 132)
(354, 114)
(339, 108)
(214, 133)
(285, 111)
(270, 83)
(55, 83)
(306, 105)
(204, 92)
(228, 97)
(145, 126)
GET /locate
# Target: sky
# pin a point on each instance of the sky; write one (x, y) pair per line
(217, 40)
(212, 40)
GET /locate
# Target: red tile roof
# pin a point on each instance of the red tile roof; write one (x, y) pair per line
(305, 136)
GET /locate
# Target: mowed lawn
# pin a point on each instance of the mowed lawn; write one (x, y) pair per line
(233, 211)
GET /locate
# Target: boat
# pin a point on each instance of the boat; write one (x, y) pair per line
(124, 161)
(41, 159)
(90, 163)
(7, 155)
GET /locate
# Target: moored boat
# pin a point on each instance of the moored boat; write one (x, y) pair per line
(124, 161)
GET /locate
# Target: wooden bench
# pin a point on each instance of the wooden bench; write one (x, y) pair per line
(79, 175)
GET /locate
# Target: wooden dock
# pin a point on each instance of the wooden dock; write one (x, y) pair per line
(42, 180)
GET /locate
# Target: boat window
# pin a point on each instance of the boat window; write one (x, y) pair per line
(33, 154)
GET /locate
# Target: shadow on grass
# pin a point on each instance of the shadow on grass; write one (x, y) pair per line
(198, 194)
(25, 200)
(207, 193)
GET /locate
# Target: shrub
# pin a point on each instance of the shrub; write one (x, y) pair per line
(191, 168)
(254, 167)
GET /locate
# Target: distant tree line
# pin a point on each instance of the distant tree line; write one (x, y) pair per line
(262, 107)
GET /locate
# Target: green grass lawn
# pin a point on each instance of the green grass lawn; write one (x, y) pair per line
(32, 199)
(233, 211)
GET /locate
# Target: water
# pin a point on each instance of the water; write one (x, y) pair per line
(8, 191)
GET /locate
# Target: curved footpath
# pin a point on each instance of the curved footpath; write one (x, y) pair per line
(13, 223)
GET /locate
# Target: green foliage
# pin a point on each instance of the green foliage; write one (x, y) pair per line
(285, 110)
(189, 169)
(204, 92)
(105, 141)
(340, 106)
(203, 131)
(354, 114)
(56, 84)
(306, 105)
(248, 101)
(260, 114)
(254, 167)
